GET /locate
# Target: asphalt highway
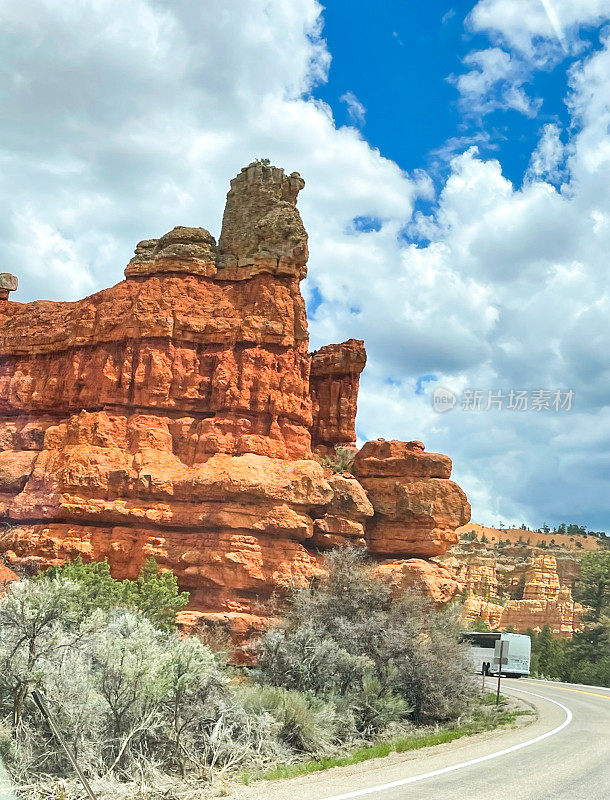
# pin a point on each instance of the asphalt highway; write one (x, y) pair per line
(563, 755)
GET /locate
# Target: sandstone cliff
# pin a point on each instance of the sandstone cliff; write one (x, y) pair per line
(173, 416)
(516, 585)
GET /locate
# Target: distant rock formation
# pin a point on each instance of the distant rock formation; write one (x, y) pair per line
(540, 597)
(173, 415)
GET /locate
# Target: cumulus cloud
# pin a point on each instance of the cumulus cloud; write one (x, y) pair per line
(537, 256)
(122, 120)
(511, 293)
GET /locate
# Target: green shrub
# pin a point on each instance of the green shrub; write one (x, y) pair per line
(127, 695)
(593, 586)
(305, 725)
(154, 592)
(137, 702)
(342, 460)
(390, 658)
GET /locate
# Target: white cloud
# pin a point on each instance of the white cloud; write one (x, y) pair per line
(513, 291)
(528, 35)
(494, 80)
(356, 111)
(537, 256)
(49, 252)
(122, 120)
(525, 24)
(548, 157)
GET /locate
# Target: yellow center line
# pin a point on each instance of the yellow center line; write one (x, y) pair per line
(567, 689)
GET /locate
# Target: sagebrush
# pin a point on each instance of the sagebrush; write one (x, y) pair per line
(141, 705)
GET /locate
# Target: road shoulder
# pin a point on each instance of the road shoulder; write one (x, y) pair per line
(380, 770)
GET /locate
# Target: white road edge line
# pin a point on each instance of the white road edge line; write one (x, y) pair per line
(416, 778)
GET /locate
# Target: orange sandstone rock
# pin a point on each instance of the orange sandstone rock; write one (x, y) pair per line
(546, 601)
(541, 579)
(417, 508)
(560, 613)
(479, 578)
(7, 576)
(172, 416)
(477, 607)
(432, 579)
(333, 383)
(381, 458)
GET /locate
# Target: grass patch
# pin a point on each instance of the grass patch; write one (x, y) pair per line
(484, 718)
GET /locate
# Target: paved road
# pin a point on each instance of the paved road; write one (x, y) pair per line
(564, 755)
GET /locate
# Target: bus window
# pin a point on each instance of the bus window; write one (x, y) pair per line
(485, 640)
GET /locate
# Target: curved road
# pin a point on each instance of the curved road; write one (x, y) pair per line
(563, 755)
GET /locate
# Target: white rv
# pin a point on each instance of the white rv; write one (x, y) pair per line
(483, 649)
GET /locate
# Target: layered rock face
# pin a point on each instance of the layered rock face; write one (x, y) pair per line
(333, 383)
(172, 416)
(479, 578)
(417, 509)
(545, 599)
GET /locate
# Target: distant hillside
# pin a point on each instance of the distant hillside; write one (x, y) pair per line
(549, 540)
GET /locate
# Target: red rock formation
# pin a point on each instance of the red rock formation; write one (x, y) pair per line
(545, 600)
(171, 416)
(6, 576)
(333, 383)
(476, 607)
(479, 578)
(541, 579)
(417, 509)
(434, 580)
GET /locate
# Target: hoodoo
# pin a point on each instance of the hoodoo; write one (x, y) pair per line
(179, 415)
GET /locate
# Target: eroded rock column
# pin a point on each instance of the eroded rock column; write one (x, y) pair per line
(417, 509)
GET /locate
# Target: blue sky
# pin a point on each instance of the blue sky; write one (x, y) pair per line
(398, 61)
(457, 199)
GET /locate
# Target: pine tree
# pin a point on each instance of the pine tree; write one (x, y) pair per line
(154, 593)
